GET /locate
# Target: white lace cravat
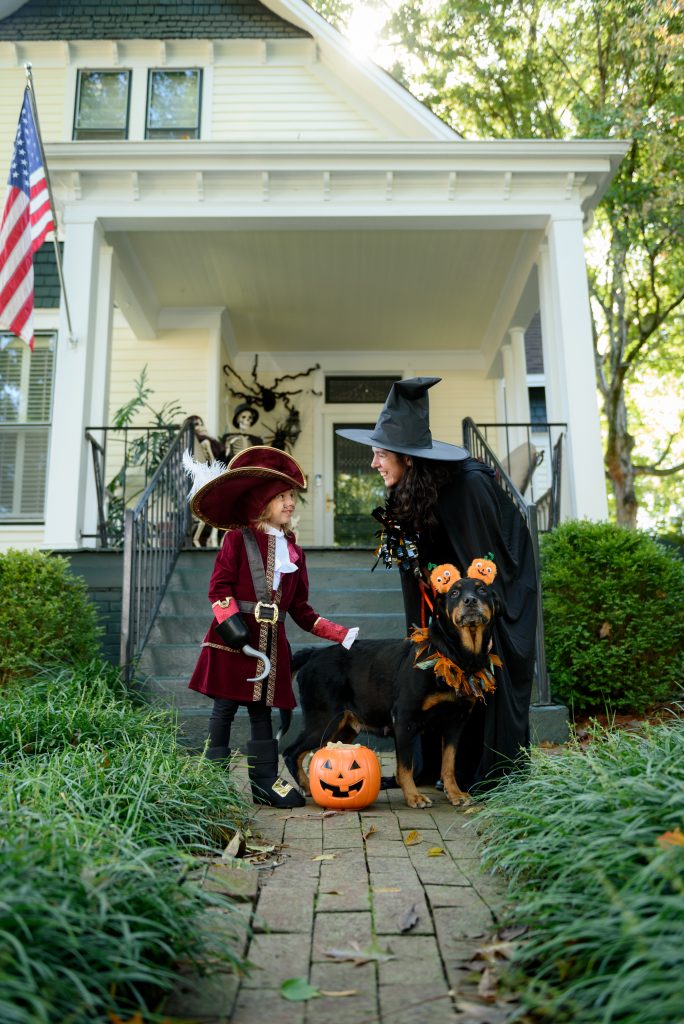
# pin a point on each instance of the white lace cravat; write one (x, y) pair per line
(282, 556)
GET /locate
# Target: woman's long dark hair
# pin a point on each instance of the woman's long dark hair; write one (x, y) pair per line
(412, 501)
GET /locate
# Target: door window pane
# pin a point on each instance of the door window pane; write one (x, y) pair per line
(173, 104)
(358, 489)
(102, 105)
(25, 416)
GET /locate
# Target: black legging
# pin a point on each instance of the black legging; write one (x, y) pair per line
(223, 712)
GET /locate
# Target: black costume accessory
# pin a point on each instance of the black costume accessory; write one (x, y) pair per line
(476, 685)
(394, 544)
(267, 787)
(403, 426)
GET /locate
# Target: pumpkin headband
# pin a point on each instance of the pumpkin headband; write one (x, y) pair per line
(443, 577)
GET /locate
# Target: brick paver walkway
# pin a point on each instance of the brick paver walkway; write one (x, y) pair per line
(350, 881)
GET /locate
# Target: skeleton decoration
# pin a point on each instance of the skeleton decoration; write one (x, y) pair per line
(286, 430)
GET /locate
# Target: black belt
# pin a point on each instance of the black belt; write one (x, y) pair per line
(263, 611)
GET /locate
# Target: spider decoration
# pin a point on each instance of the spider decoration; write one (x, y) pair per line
(286, 431)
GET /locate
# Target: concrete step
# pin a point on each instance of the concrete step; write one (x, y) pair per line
(350, 579)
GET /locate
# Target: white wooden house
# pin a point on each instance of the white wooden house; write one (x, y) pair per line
(231, 181)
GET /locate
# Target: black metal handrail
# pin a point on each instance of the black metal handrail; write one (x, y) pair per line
(476, 443)
(129, 456)
(154, 534)
(539, 437)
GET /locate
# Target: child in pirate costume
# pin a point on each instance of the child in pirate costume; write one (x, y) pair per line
(259, 575)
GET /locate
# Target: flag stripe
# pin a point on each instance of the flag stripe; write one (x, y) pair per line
(26, 221)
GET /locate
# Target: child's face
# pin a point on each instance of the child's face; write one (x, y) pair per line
(279, 510)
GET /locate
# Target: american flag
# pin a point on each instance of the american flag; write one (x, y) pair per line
(26, 220)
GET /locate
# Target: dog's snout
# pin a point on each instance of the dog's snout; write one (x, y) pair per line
(471, 600)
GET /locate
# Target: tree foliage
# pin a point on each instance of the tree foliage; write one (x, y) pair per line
(587, 69)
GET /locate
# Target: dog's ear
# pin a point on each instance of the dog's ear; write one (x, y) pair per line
(498, 607)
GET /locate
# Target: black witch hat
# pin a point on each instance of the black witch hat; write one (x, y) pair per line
(404, 424)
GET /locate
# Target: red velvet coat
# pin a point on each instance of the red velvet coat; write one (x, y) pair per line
(222, 671)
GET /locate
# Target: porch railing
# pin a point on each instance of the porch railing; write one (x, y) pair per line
(124, 460)
(154, 534)
(534, 451)
(474, 440)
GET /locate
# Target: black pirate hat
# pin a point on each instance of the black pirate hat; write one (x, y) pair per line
(404, 424)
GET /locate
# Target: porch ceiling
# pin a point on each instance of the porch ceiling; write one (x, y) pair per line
(344, 289)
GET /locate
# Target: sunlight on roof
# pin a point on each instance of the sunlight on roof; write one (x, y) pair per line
(364, 29)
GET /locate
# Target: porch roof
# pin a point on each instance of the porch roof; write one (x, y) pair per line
(314, 247)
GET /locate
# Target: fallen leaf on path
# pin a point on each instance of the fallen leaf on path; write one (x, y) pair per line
(324, 856)
(353, 952)
(413, 837)
(330, 892)
(346, 992)
(298, 990)
(486, 988)
(234, 847)
(409, 919)
(371, 832)
(435, 851)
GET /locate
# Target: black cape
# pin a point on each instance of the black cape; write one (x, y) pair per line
(477, 517)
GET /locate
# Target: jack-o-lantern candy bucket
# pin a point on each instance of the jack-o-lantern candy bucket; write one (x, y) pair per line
(344, 776)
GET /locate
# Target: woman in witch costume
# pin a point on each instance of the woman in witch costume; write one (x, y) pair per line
(259, 575)
(445, 507)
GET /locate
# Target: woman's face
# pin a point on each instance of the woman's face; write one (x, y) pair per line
(389, 465)
(280, 509)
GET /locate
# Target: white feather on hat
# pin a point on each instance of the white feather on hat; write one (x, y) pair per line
(201, 472)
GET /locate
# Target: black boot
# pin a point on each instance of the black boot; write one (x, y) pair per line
(267, 787)
(221, 754)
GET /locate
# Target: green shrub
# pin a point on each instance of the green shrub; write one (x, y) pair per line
(590, 843)
(45, 615)
(613, 619)
(106, 824)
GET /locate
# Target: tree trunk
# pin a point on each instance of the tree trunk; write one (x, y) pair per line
(618, 457)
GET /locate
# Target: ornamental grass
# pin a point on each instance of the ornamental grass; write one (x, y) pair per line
(591, 842)
(102, 818)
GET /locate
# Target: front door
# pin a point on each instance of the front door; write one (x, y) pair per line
(357, 490)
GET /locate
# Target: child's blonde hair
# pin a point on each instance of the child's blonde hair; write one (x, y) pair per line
(263, 519)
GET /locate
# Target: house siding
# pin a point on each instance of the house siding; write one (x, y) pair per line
(279, 102)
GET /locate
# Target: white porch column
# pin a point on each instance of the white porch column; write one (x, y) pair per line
(515, 377)
(569, 367)
(81, 391)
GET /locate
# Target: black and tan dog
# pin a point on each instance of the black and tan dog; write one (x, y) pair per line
(398, 687)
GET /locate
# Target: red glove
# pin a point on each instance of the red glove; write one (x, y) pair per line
(328, 630)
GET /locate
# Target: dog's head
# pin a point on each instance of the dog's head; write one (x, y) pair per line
(463, 621)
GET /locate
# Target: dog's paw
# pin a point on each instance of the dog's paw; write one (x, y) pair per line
(458, 798)
(418, 800)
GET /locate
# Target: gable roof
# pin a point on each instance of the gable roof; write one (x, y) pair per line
(48, 20)
(138, 19)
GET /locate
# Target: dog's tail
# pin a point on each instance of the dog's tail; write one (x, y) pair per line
(300, 658)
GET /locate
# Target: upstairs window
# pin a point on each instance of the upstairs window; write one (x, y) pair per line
(102, 105)
(173, 104)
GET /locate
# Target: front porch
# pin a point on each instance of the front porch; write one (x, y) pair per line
(378, 258)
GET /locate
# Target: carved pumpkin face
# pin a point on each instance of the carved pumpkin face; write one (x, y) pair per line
(344, 776)
(482, 569)
(444, 576)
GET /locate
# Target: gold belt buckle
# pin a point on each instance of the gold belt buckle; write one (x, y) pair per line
(265, 612)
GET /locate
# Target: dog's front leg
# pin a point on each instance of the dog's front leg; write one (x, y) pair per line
(405, 733)
(452, 735)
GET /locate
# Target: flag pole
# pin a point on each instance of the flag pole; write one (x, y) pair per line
(58, 256)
